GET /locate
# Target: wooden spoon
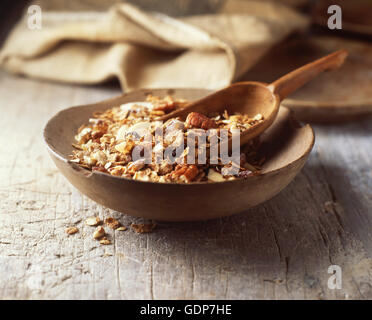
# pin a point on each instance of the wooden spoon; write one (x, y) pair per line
(251, 98)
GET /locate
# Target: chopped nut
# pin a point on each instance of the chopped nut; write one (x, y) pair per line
(158, 113)
(99, 168)
(122, 228)
(215, 176)
(165, 167)
(143, 227)
(107, 165)
(92, 221)
(72, 230)
(112, 223)
(258, 117)
(99, 232)
(118, 170)
(136, 165)
(125, 147)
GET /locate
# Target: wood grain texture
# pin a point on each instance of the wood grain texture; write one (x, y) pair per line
(279, 250)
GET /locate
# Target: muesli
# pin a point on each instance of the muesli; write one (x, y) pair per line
(129, 141)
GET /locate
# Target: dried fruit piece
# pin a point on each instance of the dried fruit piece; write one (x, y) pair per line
(72, 230)
(112, 223)
(92, 221)
(99, 232)
(143, 227)
(198, 120)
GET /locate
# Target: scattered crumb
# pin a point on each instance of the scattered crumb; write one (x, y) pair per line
(329, 206)
(112, 223)
(143, 227)
(72, 230)
(99, 233)
(105, 241)
(92, 221)
(122, 228)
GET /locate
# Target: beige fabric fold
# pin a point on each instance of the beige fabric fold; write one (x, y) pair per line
(145, 49)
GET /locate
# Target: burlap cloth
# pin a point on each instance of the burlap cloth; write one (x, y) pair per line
(148, 49)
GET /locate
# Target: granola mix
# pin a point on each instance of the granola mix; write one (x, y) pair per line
(107, 142)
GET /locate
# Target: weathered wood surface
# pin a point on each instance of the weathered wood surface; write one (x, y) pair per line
(279, 250)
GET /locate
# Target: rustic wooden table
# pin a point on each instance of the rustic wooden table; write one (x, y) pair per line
(279, 250)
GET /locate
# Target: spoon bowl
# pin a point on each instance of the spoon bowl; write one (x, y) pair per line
(249, 98)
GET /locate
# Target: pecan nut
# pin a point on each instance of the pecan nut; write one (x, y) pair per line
(188, 171)
(198, 120)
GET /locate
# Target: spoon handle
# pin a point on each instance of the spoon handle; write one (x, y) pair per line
(292, 81)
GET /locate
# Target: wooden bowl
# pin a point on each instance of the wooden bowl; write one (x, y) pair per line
(286, 146)
(338, 95)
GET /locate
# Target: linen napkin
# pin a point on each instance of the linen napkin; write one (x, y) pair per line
(148, 49)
